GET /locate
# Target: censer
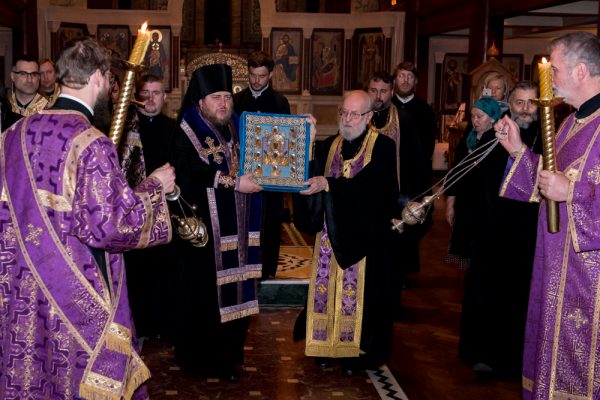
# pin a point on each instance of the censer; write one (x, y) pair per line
(415, 211)
(191, 227)
(188, 227)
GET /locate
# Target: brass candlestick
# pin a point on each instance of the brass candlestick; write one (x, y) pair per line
(120, 112)
(549, 153)
(134, 65)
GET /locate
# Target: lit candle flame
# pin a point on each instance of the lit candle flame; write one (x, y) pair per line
(141, 44)
(545, 71)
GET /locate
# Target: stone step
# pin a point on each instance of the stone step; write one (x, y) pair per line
(283, 292)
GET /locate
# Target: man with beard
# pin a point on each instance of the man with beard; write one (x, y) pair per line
(422, 116)
(216, 288)
(147, 147)
(406, 78)
(561, 345)
(66, 214)
(413, 171)
(259, 96)
(350, 201)
(25, 75)
(524, 111)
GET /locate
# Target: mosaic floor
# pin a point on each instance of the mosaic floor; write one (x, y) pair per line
(294, 262)
(424, 359)
(275, 368)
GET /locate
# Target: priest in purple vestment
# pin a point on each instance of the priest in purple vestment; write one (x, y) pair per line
(66, 214)
(561, 357)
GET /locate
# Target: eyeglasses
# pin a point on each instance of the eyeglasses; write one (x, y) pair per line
(25, 74)
(353, 114)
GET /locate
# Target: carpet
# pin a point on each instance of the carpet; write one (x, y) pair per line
(294, 262)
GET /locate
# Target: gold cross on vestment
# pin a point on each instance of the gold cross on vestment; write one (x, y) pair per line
(321, 288)
(578, 317)
(349, 291)
(212, 150)
(34, 234)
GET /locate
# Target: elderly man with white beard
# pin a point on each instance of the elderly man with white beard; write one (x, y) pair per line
(350, 200)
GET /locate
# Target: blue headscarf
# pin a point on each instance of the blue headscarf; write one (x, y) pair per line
(489, 106)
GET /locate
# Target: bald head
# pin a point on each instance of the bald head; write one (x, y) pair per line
(355, 114)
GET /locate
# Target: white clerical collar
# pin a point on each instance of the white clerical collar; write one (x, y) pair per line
(405, 99)
(77, 99)
(256, 94)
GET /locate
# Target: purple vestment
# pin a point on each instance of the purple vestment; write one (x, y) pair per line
(336, 295)
(64, 331)
(561, 358)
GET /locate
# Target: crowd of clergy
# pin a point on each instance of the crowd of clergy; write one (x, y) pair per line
(90, 236)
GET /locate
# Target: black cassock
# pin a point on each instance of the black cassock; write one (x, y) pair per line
(269, 101)
(213, 301)
(150, 271)
(358, 213)
(497, 282)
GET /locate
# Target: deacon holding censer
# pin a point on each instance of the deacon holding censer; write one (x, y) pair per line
(561, 340)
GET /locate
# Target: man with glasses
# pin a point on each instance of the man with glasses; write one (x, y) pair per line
(147, 147)
(350, 201)
(25, 99)
(260, 96)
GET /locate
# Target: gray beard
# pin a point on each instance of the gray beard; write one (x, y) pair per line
(523, 124)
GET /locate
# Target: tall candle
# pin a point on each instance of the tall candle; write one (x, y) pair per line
(141, 44)
(545, 71)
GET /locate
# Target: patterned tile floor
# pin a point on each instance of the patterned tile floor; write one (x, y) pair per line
(275, 368)
(424, 360)
(294, 262)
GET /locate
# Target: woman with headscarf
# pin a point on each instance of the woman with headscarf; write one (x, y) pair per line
(496, 284)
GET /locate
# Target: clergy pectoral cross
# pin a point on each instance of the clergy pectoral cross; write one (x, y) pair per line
(212, 150)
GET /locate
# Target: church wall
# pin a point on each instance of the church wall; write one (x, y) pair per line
(6, 52)
(52, 13)
(303, 96)
(526, 48)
